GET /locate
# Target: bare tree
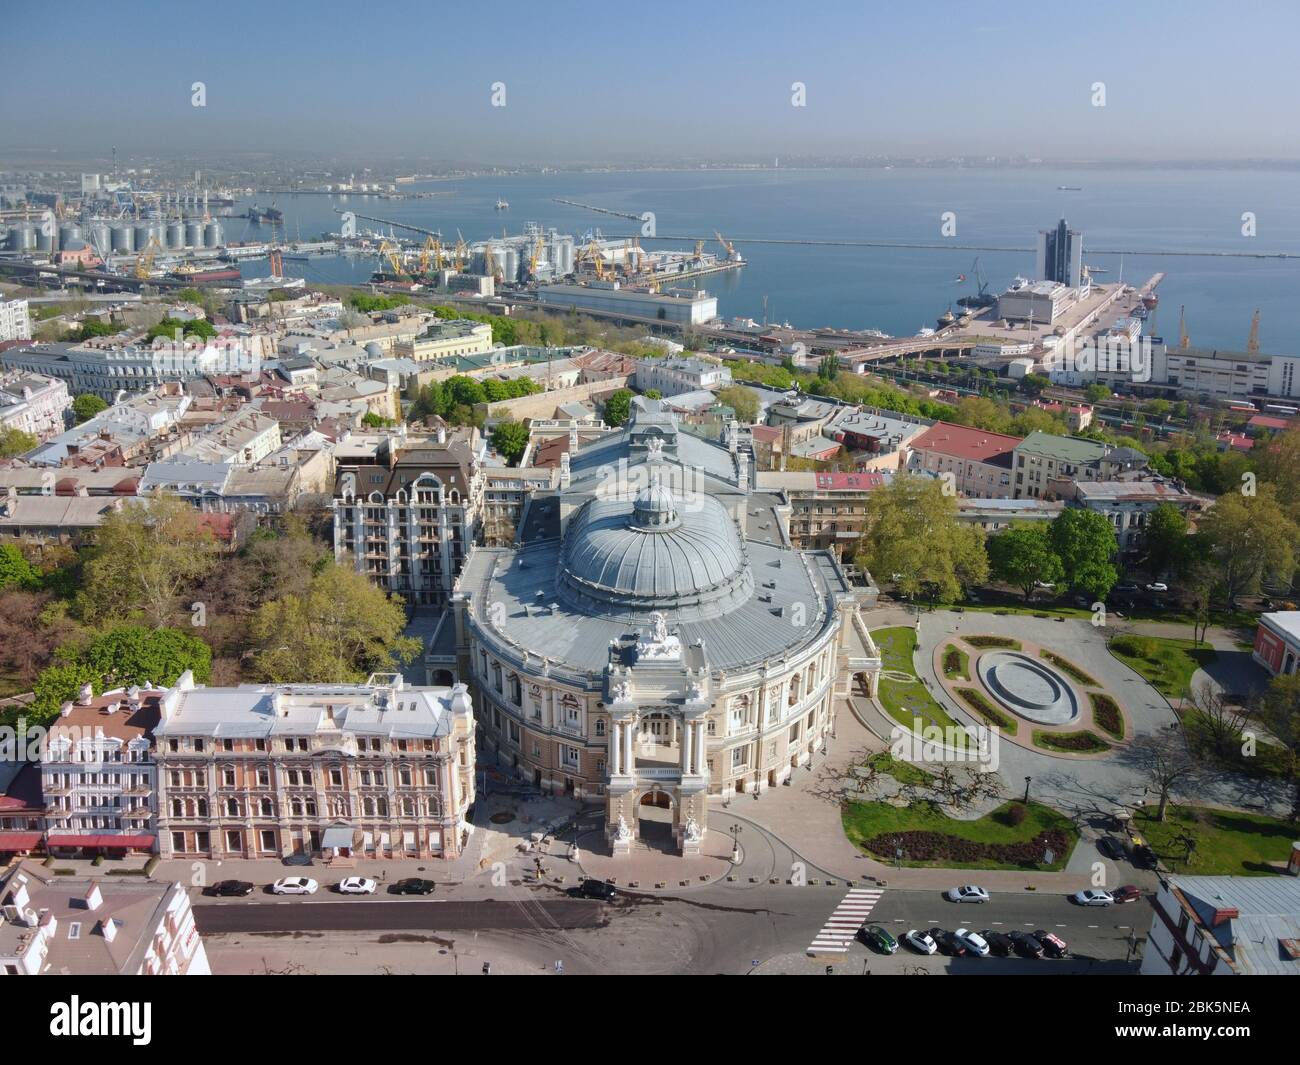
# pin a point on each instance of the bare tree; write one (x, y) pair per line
(1166, 761)
(1278, 709)
(1219, 721)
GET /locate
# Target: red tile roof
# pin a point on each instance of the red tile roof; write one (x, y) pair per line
(967, 443)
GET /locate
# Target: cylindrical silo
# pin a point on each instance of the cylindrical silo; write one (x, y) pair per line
(176, 234)
(194, 234)
(143, 231)
(101, 236)
(22, 236)
(123, 236)
(212, 235)
(46, 237)
(68, 232)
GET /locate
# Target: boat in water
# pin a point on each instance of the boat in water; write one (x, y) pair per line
(503, 205)
(1069, 188)
(198, 273)
(1150, 300)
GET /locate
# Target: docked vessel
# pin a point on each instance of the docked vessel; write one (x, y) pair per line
(198, 273)
(503, 205)
(1150, 300)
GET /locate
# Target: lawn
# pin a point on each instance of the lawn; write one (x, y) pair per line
(990, 842)
(1167, 664)
(903, 772)
(905, 702)
(1227, 843)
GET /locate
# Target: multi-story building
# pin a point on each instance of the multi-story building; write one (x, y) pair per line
(685, 306)
(446, 339)
(82, 926)
(1040, 302)
(507, 492)
(1277, 642)
(408, 517)
(1041, 458)
(655, 641)
(826, 511)
(1127, 505)
(15, 324)
(1225, 926)
(978, 462)
(376, 770)
(33, 403)
(1059, 255)
(673, 376)
(98, 773)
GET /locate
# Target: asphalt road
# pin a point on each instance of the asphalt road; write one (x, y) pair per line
(301, 915)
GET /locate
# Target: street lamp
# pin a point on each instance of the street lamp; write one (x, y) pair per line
(1027, 780)
(735, 831)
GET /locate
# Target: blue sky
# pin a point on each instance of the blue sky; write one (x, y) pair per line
(622, 80)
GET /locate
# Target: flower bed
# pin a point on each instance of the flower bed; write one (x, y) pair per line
(1071, 742)
(993, 641)
(1106, 714)
(956, 663)
(937, 847)
(1066, 666)
(977, 701)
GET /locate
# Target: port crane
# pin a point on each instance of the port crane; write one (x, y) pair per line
(732, 254)
(431, 254)
(390, 251)
(1252, 344)
(1183, 339)
(144, 262)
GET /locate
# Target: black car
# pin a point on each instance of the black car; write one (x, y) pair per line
(412, 885)
(591, 888)
(1144, 857)
(1026, 945)
(947, 943)
(1053, 945)
(999, 943)
(231, 889)
(877, 938)
(1112, 848)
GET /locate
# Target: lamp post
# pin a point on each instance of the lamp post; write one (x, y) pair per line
(1027, 780)
(735, 831)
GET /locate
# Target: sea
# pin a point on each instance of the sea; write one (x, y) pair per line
(1149, 215)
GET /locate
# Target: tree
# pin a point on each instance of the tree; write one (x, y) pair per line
(1277, 461)
(982, 413)
(132, 654)
(1279, 711)
(1214, 720)
(912, 530)
(653, 393)
(1096, 393)
(86, 406)
(1250, 540)
(1085, 543)
(1034, 383)
(1023, 555)
(744, 401)
(1166, 538)
(618, 407)
(32, 627)
(1165, 763)
(344, 629)
(15, 570)
(15, 442)
(145, 556)
(510, 438)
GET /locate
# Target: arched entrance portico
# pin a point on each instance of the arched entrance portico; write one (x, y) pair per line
(655, 818)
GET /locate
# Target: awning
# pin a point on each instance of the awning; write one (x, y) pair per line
(128, 842)
(19, 841)
(337, 836)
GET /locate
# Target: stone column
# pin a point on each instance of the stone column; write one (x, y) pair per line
(687, 747)
(615, 742)
(629, 751)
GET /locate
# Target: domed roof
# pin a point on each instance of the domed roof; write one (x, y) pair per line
(628, 558)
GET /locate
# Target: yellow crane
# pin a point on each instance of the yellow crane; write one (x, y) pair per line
(1252, 344)
(592, 254)
(393, 254)
(460, 253)
(699, 250)
(144, 262)
(491, 266)
(537, 254)
(430, 255)
(1183, 339)
(732, 255)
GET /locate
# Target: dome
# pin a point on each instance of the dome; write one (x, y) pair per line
(629, 558)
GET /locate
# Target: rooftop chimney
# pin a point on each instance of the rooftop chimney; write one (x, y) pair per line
(86, 695)
(93, 900)
(1224, 914)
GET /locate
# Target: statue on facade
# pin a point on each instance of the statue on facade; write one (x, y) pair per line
(654, 450)
(692, 830)
(623, 833)
(622, 691)
(659, 627)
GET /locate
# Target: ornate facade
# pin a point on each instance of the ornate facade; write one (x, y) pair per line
(652, 640)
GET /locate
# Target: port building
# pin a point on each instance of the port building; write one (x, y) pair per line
(683, 306)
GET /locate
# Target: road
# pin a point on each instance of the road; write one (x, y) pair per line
(720, 929)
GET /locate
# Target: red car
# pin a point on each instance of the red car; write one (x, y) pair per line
(1127, 893)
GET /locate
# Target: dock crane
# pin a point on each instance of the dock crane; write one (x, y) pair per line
(393, 254)
(430, 255)
(1183, 339)
(491, 266)
(1252, 344)
(144, 262)
(732, 255)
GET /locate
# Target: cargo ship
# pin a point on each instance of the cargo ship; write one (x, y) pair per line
(265, 214)
(202, 274)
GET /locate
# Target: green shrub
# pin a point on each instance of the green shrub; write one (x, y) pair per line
(976, 700)
(1066, 666)
(993, 641)
(1106, 714)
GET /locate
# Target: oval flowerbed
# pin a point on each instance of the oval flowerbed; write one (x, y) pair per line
(1070, 742)
(1066, 666)
(1106, 714)
(956, 663)
(993, 641)
(976, 700)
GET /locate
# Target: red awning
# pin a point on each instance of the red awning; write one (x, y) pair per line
(19, 841)
(130, 842)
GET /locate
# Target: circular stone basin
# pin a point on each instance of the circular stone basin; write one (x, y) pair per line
(1027, 687)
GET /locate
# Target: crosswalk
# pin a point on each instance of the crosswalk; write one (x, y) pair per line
(842, 925)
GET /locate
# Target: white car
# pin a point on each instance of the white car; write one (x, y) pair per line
(357, 885)
(966, 893)
(1092, 897)
(974, 942)
(294, 885)
(920, 942)
(1157, 586)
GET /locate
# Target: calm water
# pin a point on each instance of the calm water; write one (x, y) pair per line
(897, 290)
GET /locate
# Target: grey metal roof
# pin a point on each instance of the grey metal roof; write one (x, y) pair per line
(1268, 912)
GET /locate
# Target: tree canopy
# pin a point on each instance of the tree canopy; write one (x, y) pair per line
(1023, 555)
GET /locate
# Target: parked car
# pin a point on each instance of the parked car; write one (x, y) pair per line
(226, 889)
(1053, 945)
(1126, 588)
(921, 942)
(357, 885)
(412, 885)
(1157, 586)
(1127, 893)
(966, 893)
(973, 942)
(949, 944)
(1092, 897)
(1026, 945)
(999, 942)
(591, 888)
(878, 939)
(294, 885)
(1112, 848)
(1144, 857)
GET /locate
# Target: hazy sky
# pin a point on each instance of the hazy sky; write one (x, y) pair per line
(621, 80)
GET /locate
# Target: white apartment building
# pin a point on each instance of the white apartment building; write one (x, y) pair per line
(674, 376)
(33, 403)
(15, 324)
